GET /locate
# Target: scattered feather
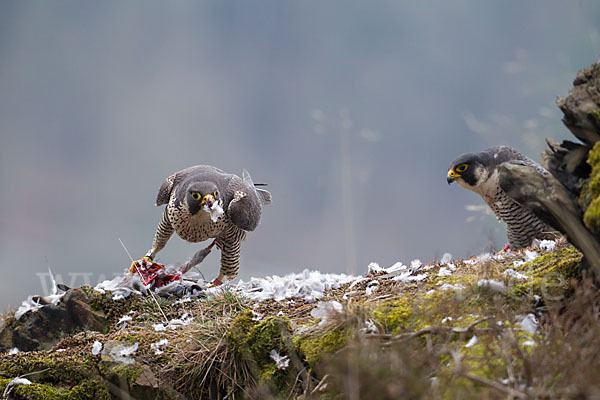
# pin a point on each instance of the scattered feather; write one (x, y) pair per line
(493, 285)
(309, 285)
(547, 245)
(156, 346)
(514, 274)
(528, 323)
(395, 267)
(256, 316)
(183, 300)
(281, 362)
(174, 323)
(19, 381)
(448, 286)
(530, 255)
(33, 302)
(472, 342)
(374, 268)
(324, 309)
(96, 348)
(123, 320)
(129, 350)
(370, 327)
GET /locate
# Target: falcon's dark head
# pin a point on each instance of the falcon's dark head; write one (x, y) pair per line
(200, 194)
(468, 170)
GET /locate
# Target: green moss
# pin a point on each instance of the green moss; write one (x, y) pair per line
(591, 193)
(549, 274)
(253, 341)
(483, 358)
(60, 367)
(37, 391)
(115, 309)
(591, 218)
(117, 373)
(414, 311)
(596, 116)
(393, 315)
(90, 389)
(239, 329)
(316, 346)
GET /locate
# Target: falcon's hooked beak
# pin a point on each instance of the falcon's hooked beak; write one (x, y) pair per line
(452, 175)
(208, 199)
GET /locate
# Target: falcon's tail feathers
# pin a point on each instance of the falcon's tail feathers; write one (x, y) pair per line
(264, 196)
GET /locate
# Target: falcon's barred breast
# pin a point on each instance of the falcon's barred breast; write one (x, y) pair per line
(478, 172)
(204, 202)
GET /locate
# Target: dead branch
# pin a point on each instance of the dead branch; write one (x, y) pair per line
(495, 385)
(433, 330)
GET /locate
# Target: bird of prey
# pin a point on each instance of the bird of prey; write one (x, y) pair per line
(478, 172)
(203, 202)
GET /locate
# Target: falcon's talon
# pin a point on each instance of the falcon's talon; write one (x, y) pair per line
(141, 264)
(504, 249)
(217, 282)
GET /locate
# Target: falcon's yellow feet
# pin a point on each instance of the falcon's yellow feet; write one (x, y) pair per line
(136, 265)
(218, 281)
(504, 249)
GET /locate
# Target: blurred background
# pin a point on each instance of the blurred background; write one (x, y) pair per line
(351, 111)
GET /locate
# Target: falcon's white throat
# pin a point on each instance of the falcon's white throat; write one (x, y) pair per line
(484, 185)
(215, 211)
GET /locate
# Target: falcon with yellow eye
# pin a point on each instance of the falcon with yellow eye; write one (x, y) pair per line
(478, 172)
(203, 202)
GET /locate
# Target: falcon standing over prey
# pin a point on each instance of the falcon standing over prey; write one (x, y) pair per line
(204, 202)
(479, 172)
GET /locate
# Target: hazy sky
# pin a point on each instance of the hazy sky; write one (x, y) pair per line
(100, 101)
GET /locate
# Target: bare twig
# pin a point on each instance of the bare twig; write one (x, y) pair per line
(385, 296)
(296, 382)
(320, 385)
(433, 330)
(509, 391)
(495, 385)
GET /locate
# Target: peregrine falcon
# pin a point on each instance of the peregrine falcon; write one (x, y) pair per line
(478, 172)
(203, 202)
